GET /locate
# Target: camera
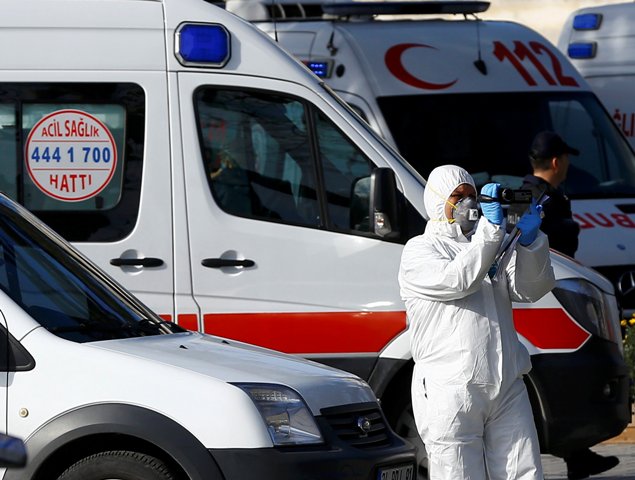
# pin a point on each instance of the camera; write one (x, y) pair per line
(507, 196)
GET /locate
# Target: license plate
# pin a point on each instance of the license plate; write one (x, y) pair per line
(404, 472)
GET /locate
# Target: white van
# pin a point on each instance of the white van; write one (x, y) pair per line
(444, 86)
(101, 387)
(226, 185)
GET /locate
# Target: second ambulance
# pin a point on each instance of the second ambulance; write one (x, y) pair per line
(444, 86)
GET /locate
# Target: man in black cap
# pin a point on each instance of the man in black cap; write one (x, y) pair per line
(549, 157)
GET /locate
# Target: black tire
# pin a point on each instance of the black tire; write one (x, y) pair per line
(117, 465)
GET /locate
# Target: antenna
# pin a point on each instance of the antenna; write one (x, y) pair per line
(479, 63)
(273, 18)
(331, 46)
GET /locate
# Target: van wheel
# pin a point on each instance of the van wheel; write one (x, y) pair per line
(117, 465)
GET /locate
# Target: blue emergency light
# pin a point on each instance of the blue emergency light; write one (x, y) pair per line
(202, 44)
(582, 50)
(322, 69)
(587, 21)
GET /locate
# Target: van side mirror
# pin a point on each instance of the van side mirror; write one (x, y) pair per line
(12, 452)
(384, 204)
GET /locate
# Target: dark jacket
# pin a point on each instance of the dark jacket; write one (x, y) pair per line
(557, 223)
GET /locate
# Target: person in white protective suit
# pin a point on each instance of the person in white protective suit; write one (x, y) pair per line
(470, 403)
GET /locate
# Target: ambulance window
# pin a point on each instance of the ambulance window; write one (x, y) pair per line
(601, 166)
(73, 155)
(346, 173)
(257, 155)
(8, 151)
(261, 152)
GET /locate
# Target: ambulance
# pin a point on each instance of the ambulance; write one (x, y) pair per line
(444, 86)
(598, 42)
(231, 190)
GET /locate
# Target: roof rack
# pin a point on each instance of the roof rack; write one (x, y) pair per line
(404, 8)
(288, 10)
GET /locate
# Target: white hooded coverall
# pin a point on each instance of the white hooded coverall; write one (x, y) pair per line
(469, 400)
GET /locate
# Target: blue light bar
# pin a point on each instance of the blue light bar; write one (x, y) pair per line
(202, 44)
(587, 21)
(320, 68)
(582, 50)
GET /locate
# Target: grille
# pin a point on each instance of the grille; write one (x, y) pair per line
(347, 423)
(621, 277)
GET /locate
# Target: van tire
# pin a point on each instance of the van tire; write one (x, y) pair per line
(118, 465)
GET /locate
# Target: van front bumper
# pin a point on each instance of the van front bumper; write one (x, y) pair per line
(345, 455)
(579, 399)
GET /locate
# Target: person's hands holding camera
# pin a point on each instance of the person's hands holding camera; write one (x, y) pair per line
(492, 211)
(529, 224)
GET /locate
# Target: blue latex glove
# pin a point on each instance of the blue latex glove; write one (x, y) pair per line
(529, 224)
(492, 210)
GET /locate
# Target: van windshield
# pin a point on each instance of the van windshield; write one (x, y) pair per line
(61, 290)
(490, 135)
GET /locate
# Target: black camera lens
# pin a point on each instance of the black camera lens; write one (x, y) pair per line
(507, 196)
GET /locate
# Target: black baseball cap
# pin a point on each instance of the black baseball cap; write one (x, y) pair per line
(549, 144)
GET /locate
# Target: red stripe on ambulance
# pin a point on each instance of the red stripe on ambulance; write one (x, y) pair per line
(549, 328)
(310, 332)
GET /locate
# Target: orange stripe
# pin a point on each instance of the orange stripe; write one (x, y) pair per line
(317, 332)
(549, 328)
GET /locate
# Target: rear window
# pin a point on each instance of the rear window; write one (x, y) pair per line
(72, 154)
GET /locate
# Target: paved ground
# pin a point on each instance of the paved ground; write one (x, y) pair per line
(555, 469)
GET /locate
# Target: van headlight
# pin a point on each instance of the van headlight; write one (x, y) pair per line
(593, 309)
(286, 416)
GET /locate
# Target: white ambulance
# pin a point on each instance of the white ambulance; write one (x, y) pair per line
(227, 186)
(598, 42)
(444, 86)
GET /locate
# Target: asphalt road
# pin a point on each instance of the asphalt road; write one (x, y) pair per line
(554, 468)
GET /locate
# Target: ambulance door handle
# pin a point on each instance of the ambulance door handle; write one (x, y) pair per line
(136, 262)
(224, 262)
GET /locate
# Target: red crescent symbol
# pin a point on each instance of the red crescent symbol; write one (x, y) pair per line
(393, 62)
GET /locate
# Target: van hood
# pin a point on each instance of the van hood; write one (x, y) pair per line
(235, 362)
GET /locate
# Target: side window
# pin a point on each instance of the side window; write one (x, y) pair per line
(257, 155)
(571, 120)
(81, 157)
(346, 173)
(261, 152)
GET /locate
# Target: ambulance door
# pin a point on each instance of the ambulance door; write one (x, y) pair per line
(95, 171)
(281, 252)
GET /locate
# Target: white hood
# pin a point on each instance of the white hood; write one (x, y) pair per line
(442, 181)
(235, 362)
